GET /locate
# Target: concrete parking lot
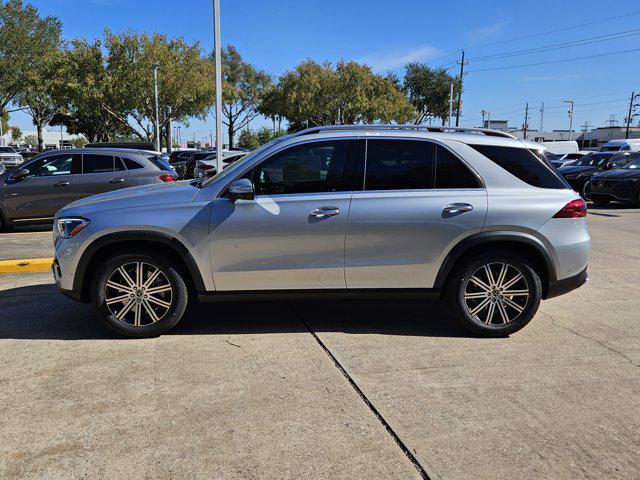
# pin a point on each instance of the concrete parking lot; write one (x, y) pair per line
(311, 389)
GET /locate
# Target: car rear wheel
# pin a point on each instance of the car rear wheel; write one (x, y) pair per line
(139, 295)
(494, 294)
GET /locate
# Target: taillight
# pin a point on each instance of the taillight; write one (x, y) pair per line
(574, 209)
(167, 178)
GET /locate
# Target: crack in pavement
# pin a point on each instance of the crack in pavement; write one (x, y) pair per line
(586, 337)
(405, 449)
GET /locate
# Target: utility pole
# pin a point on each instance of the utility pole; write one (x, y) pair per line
(542, 118)
(155, 82)
(460, 90)
(570, 102)
(169, 132)
(61, 137)
(218, 73)
(630, 116)
(484, 112)
(525, 126)
(450, 103)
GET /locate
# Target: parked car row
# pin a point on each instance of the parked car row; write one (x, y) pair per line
(37, 189)
(201, 163)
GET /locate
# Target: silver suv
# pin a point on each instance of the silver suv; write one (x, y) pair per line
(475, 217)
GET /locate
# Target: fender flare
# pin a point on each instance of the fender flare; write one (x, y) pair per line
(488, 238)
(137, 235)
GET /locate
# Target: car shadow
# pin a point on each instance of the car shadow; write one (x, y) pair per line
(39, 312)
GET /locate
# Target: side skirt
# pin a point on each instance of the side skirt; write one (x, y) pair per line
(341, 294)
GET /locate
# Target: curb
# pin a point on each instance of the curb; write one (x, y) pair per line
(26, 265)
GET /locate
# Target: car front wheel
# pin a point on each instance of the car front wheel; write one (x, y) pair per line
(139, 295)
(494, 294)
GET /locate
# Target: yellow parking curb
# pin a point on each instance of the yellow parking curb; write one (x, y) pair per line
(26, 265)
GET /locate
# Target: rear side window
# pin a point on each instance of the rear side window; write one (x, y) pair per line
(97, 163)
(451, 172)
(523, 164)
(399, 165)
(130, 164)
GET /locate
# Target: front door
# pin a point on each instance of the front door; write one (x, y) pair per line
(418, 199)
(47, 188)
(100, 173)
(291, 236)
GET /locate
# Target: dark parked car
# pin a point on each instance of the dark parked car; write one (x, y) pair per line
(622, 185)
(196, 156)
(580, 172)
(207, 167)
(38, 189)
(178, 159)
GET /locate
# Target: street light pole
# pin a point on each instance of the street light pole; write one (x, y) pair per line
(155, 81)
(218, 73)
(570, 102)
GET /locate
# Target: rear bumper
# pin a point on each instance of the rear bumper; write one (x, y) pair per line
(560, 287)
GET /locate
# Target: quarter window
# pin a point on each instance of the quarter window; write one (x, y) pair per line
(130, 164)
(97, 163)
(451, 172)
(522, 164)
(399, 165)
(309, 168)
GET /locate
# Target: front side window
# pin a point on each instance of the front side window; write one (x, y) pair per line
(51, 166)
(97, 163)
(399, 165)
(523, 164)
(451, 172)
(309, 168)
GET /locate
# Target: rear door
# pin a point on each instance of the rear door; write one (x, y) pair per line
(48, 187)
(100, 173)
(418, 198)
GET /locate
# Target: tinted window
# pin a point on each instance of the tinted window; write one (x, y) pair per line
(399, 165)
(161, 164)
(97, 163)
(7, 150)
(451, 172)
(50, 166)
(523, 164)
(593, 160)
(130, 164)
(309, 168)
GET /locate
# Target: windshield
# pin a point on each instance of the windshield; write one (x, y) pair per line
(592, 160)
(7, 150)
(235, 166)
(635, 165)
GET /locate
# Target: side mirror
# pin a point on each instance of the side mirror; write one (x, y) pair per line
(20, 174)
(609, 165)
(241, 189)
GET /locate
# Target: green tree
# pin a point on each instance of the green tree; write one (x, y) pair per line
(4, 119)
(79, 142)
(252, 139)
(25, 38)
(314, 94)
(185, 81)
(30, 140)
(16, 134)
(38, 96)
(243, 87)
(428, 91)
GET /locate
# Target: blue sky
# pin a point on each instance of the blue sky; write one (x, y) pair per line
(277, 35)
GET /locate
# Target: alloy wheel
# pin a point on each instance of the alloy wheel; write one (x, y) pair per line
(496, 293)
(138, 293)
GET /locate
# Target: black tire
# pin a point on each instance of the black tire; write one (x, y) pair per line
(459, 282)
(168, 316)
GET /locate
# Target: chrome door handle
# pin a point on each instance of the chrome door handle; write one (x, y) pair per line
(116, 180)
(325, 212)
(61, 184)
(454, 208)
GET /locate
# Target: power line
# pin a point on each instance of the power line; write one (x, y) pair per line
(555, 31)
(554, 61)
(558, 46)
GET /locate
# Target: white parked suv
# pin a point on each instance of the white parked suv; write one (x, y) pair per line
(474, 217)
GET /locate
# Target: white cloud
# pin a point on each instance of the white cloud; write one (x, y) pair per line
(384, 61)
(552, 78)
(485, 32)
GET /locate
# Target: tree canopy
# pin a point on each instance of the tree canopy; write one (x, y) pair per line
(428, 91)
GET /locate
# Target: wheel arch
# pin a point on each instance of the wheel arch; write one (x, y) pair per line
(516, 242)
(118, 242)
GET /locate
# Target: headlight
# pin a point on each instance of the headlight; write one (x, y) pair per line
(68, 227)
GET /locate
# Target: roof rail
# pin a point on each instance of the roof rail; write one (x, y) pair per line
(429, 128)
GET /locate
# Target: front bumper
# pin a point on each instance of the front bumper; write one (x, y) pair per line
(615, 190)
(560, 287)
(57, 276)
(578, 183)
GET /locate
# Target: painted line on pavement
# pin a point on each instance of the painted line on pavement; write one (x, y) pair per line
(26, 265)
